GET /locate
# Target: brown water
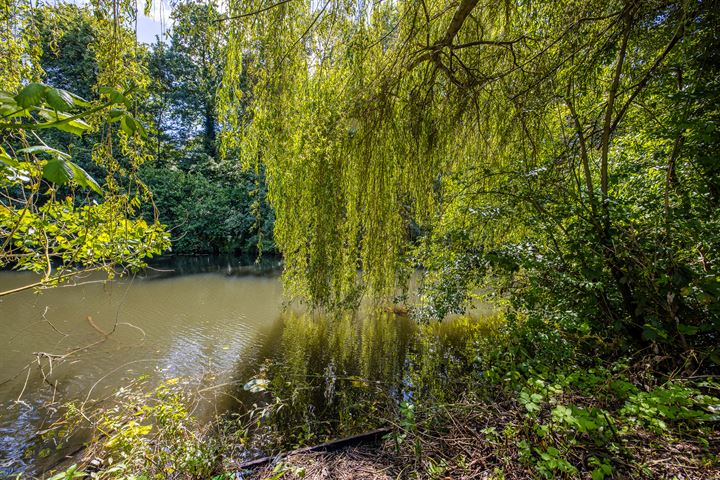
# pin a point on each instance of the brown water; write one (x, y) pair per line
(195, 326)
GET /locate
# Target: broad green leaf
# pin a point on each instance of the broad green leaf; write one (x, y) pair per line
(78, 100)
(7, 99)
(31, 95)
(76, 126)
(59, 99)
(687, 329)
(9, 107)
(82, 178)
(131, 125)
(45, 149)
(58, 171)
(128, 125)
(115, 114)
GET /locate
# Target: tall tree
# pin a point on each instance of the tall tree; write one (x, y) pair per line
(518, 135)
(194, 62)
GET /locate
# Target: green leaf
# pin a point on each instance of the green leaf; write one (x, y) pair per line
(687, 329)
(115, 114)
(58, 120)
(9, 107)
(128, 125)
(141, 129)
(31, 96)
(82, 178)
(7, 99)
(61, 171)
(45, 149)
(69, 474)
(6, 159)
(59, 99)
(78, 100)
(58, 171)
(115, 96)
(76, 127)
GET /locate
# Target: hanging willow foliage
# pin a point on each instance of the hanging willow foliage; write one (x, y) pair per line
(372, 116)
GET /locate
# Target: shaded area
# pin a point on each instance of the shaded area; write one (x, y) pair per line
(321, 377)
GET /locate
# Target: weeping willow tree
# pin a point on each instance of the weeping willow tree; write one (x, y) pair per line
(56, 219)
(468, 136)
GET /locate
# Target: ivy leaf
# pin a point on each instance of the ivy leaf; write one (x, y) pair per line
(32, 95)
(59, 99)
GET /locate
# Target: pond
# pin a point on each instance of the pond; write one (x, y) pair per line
(218, 323)
(163, 324)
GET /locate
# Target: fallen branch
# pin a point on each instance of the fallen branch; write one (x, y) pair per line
(367, 437)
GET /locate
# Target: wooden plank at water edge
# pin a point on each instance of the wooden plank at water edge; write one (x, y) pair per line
(367, 437)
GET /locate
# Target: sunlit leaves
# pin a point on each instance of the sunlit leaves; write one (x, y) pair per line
(115, 96)
(43, 233)
(35, 94)
(61, 171)
(58, 171)
(60, 100)
(31, 95)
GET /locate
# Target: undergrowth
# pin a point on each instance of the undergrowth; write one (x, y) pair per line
(477, 399)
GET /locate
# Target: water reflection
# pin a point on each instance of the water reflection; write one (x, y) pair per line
(318, 377)
(324, 375)
(173, 266)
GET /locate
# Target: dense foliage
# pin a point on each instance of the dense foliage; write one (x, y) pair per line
(208, 204)
(491, 397)
(55, 217)
(564, 150)
(557, 157)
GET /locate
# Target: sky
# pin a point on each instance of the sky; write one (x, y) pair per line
(148, 27)
(158, 21)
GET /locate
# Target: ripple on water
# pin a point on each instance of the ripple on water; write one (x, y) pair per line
(179, 326)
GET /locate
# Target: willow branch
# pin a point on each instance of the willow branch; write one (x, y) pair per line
(646, 78)
(254, 12)
(605, 140)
